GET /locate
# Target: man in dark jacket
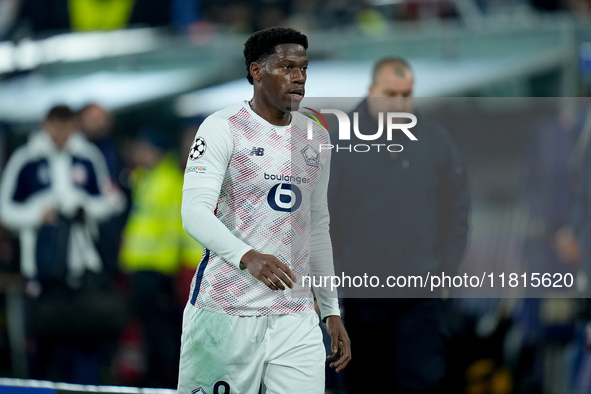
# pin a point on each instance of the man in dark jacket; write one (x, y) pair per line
(399, 211)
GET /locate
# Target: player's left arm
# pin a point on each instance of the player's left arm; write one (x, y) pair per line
(321, 264)
(454, 208)
(340, 344)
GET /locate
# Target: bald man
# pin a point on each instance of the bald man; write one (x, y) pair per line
(392, 78)
(397, 213)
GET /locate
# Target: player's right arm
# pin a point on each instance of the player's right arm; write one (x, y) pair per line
(204, 176)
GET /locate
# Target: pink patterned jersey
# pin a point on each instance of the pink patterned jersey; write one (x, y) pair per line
(268, 180)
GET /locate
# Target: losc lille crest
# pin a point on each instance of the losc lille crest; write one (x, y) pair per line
(311, 156)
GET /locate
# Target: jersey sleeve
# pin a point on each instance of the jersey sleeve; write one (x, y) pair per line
(321, 258)
(207, 163)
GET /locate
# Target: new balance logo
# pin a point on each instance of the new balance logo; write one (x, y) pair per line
(257, 151)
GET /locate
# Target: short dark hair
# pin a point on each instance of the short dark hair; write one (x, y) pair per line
(60, 113)
(89, 106)
(400, 66)
(262, 44)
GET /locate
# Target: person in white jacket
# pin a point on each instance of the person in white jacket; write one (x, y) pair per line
(57, 173)
(53, 192)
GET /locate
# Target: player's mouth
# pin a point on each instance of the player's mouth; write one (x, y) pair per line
(296, 94)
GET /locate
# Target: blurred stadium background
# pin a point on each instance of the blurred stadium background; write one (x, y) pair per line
(170, 63)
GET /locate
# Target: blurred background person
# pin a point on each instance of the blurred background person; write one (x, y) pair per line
(548, 192)
(96, 123)
(54, 191)
(571, 240)
(571, 244)
(153, 249)
(43, 17)
(415, 222)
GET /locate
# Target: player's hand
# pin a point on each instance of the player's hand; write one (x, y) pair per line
(339, 344)
(269, 270)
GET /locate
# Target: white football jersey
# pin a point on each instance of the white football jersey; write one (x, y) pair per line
(268, 181)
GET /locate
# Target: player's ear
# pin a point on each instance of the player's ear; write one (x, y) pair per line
(255, 70)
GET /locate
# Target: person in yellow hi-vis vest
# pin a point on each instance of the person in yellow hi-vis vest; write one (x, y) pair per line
(154, 249)
(86, 15)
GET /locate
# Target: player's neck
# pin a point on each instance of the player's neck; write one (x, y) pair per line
(270, 114)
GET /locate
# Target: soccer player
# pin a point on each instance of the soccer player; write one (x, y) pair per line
(255, 195)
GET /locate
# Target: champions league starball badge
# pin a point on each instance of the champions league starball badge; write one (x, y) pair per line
(197, 149)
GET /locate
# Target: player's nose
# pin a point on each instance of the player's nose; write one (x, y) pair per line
(298, 75)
